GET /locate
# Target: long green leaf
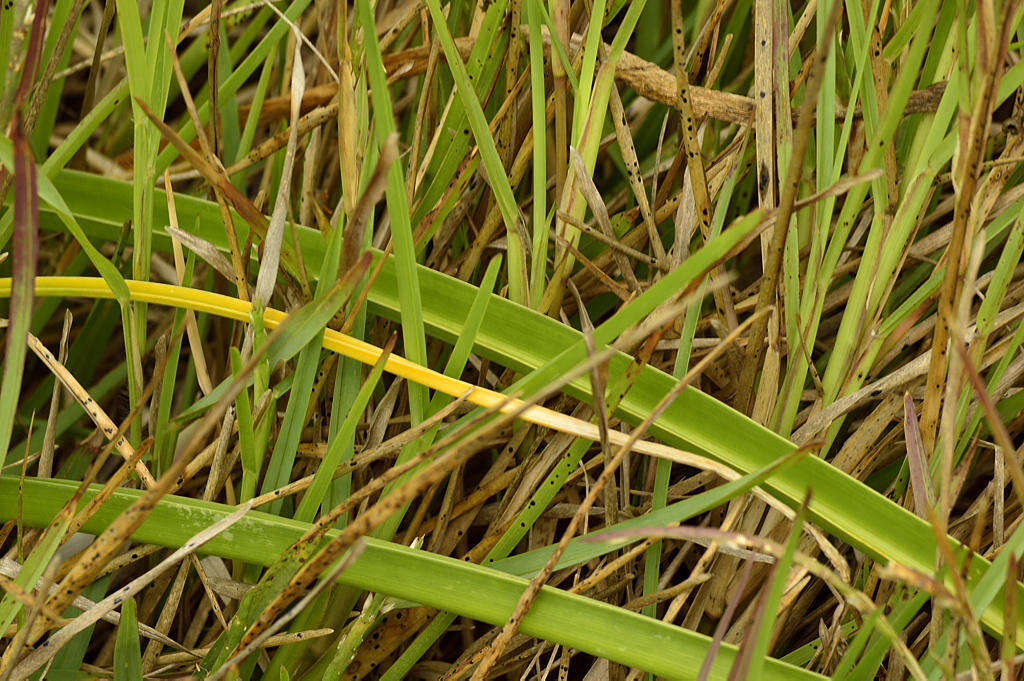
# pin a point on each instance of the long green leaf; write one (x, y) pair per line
(449, 584)
(398, 208)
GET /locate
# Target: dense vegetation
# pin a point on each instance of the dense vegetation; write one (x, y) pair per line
(523, 339)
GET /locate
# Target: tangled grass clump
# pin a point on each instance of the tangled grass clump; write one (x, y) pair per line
(515, 339)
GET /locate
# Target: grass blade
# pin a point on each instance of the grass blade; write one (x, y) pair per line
(517, 276)
(443, 583)
(26, 246)
(128, 650)
(398, 208)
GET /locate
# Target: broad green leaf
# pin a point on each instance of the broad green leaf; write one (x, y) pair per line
(473, 591)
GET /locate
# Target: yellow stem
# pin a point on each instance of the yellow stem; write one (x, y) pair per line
(232, 308)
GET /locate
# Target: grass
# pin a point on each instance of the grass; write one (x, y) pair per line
(612, 339)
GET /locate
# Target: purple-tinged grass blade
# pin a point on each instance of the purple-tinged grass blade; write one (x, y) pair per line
(25, 246)
(32, 56)
(723, 624)
(920, 481)
(25, 242)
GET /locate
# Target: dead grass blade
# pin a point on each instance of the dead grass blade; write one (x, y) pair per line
(49, 435)
(271, 255)
(95, 412)
(10, 569)
(920, 479)
(787, 200)
(63, 636)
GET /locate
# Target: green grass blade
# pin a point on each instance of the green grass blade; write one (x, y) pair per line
(985, 590)
(163, 439)
(282, 457)
(861, 636)
(439, 582)
(253, 60)
(902, 610)
(483, 70)
(539, 246)
(32, 571)
(579, 552)
(474, 320)
(127, 649)
(496, 175)
(398, 209)
(338, 447)
(248, 453)
(765, 628)
(305, 324)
